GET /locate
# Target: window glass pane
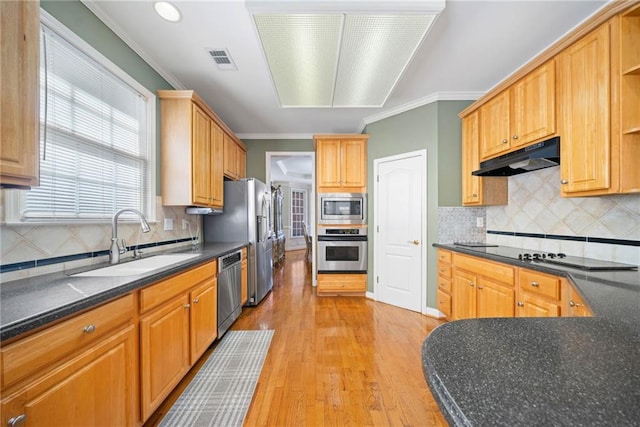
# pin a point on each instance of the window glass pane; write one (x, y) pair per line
(94, 138)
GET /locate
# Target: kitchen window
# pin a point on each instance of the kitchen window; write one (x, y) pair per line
(298, 211)
(97, 135)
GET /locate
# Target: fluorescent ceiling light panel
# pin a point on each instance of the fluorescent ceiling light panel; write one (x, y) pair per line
(339, 60)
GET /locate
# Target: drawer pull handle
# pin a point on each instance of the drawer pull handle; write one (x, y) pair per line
(520, 304)
(187, 305)
(535, 284)
(16, 421)
(89, 329)
(480, 287)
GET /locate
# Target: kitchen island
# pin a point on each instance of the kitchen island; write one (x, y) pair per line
(543, 371)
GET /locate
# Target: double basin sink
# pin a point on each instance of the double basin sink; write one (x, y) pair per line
(141, 266)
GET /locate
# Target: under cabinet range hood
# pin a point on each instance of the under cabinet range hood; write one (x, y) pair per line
(541, 155)
(195, 210)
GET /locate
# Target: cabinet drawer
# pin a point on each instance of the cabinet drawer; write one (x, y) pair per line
(444, 256)
(539, 283)
(444, 303)
(342, 282)
(444, 270)
(496, 271)
(25, 357)
(444, 285)
(163, 291)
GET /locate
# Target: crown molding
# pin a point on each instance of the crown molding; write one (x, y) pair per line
(95, 9)
(435, 97)
(244, 136)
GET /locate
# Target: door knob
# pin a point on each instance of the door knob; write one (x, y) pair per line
(415, 242)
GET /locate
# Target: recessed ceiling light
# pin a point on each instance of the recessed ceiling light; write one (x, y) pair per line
(167, 11)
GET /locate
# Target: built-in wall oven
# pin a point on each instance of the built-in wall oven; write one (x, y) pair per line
(342, 208)
(342, 249)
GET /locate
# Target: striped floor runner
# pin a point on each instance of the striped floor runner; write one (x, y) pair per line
(220, 393)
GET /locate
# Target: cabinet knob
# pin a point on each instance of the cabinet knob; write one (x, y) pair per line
(196, 300)
(16, 421)
(471, 284)
(89, 329)
(515, 136)
(572, 303)
(480, 287)
(475, 195)
(504, 141)
(520, 304)
(564, 181)
(535, 284)
(187, 305)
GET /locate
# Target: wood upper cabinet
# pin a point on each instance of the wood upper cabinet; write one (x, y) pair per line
(585, 114)
(341, 163)
(191, 155)
(478, 191)
(520, 115)
(82, 371)
(235, 159)
(19, 103)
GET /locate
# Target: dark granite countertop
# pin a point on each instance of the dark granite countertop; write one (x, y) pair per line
(31, 303)
(535, 371)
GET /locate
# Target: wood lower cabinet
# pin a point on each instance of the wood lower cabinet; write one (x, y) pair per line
(494, 299)
(82, 371)
(476, 190)
(19, 104)
(342, 284)
(341, 163)
(464, 295)
(575, 305)
(444, 282)
(539, 294)
(175, 330)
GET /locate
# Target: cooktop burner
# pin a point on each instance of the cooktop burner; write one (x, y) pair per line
(574, 262)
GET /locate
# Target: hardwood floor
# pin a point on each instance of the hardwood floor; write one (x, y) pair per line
(336, 360)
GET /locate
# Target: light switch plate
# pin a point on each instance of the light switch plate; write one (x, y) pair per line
(479, 222)
(168, 224)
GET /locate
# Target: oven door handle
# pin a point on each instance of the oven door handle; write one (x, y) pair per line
(342, 238)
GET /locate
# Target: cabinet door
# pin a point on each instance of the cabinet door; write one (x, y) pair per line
(470, 159)
(532, 306)
(19, 131)
(328, 163)
(241, 162)
(204, 319)
(533, 106)
(217, 160)
(494, 300)
(464, 295)
(576, 306)
(585, 113)
(229, 164)
(494, 126)
(96, 388)
(201, 160)
(164, 352)
(353, 163)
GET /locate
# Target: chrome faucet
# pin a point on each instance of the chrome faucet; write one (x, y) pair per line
(115, 251)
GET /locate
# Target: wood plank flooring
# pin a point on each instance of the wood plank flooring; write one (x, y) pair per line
(335, 360)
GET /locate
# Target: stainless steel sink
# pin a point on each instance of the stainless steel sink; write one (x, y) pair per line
(140, 266)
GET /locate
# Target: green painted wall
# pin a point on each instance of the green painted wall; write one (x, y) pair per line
(75, 16)
(257, 149)
(436, 128)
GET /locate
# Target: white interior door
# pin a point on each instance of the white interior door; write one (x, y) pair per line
(400, 230)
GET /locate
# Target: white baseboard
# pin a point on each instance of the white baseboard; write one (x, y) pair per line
(433, 312)
(370, 295)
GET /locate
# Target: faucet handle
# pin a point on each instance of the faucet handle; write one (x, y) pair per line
(123, 249)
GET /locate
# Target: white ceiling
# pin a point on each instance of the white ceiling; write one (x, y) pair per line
(298, 168)
(472, 46)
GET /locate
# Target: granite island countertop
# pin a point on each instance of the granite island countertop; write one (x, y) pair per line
(543, 371)
(31, 303)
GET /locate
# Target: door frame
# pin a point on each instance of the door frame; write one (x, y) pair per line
(422, 154)
(311, 195)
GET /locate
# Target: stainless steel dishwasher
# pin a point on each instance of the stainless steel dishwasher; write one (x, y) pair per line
(229, 281)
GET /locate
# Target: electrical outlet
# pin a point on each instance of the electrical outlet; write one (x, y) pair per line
(185, 224)
(479, 222)
(168, 224)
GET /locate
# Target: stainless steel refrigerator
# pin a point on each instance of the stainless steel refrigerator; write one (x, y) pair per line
(247, 218)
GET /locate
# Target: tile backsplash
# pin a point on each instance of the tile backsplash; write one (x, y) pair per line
(535, 207)
(35, 242)
(457, 224)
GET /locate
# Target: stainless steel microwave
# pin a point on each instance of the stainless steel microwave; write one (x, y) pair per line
(342, 208)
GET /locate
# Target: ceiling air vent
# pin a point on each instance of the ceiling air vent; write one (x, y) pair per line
(222, 59)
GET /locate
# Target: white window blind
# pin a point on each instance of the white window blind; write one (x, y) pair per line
(95, 142)
(298, 212)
